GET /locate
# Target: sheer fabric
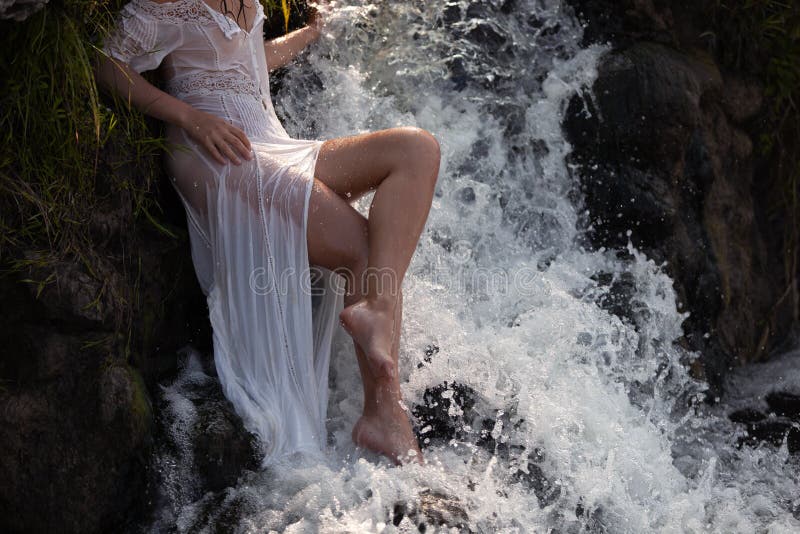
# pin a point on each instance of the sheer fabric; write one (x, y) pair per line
(247, 223)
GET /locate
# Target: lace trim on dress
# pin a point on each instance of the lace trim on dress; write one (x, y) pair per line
(210, 82)
(187, 11)
(177, 12)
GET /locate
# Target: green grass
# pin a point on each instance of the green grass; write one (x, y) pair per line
(55, 127)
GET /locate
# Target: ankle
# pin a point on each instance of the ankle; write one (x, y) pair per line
(383, 403)
(382, 302)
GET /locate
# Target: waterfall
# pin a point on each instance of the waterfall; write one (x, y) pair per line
(552, 392)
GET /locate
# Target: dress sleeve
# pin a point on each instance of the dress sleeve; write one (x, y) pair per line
(141, 38)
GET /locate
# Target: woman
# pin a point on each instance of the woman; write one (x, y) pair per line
(262, 207)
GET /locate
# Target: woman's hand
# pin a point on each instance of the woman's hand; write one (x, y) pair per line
(281, 50)
(316, 17)
(220, 138)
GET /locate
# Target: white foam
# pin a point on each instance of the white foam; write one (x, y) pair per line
(606, 402)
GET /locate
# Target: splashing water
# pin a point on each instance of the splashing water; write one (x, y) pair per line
(558, 365)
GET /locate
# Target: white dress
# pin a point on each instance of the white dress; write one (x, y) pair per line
(247, 223)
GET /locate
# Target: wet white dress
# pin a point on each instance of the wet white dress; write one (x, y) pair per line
(247, 223)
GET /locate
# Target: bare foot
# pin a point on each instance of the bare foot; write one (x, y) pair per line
(371, 324)
(393, 438)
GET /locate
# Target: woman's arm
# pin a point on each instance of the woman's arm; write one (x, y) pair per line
(221, 139)
(282, 50)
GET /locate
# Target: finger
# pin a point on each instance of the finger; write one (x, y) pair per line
(237, 144)
(212, 149)
(235, 141)
(226, 149)
(242, 137)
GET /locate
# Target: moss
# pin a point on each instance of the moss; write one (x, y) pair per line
(141, 407)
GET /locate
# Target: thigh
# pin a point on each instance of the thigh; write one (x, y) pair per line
(351, 166)
(336, 232)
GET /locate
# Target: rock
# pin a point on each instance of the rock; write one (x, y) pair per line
(784, 404)
(203, 446)
(742, 99)
(747, 415)
(221, 513)
(19, 10)
(488, 35)
(459, 76)
(79, 347)
(223, 449)
(773, 428)
(466, 195)
(774, 432)
(451, 13)
(448, 413)
(445, 410)
(530, 474)
(623, 22)
(658, 157)
(433, 509)
(618, 299)
(428, 354)
(74, 450)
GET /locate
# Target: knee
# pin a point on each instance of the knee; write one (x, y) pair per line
(421, 149)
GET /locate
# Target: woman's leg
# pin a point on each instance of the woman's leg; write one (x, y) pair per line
(337, 240)
(401, 165)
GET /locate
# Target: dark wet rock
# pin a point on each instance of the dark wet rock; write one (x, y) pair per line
(81, 346)
(428, 354)
(773, 431)
(618, 299)
(19, 10)
(524, 467)
(457, 412)
(508, 7)
(491, 435)
(772, 428)
(433, 509)
(218, 513)
(458, 72)
(747, 415)
(793, 440)
(201, 433)
(441, 238)
(784, 404)
(488, 35)
(528, 472)
(479, 10)
(451, 13)
(466, 195)
(663, 165)
(223, 449)
(74, 447)
(593, 518)
(445, 410)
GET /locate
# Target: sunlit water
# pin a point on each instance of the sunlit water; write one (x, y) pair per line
(583, 421)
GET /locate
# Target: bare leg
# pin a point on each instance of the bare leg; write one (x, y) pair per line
(337, 240)
(401, 165)
(384, 426)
